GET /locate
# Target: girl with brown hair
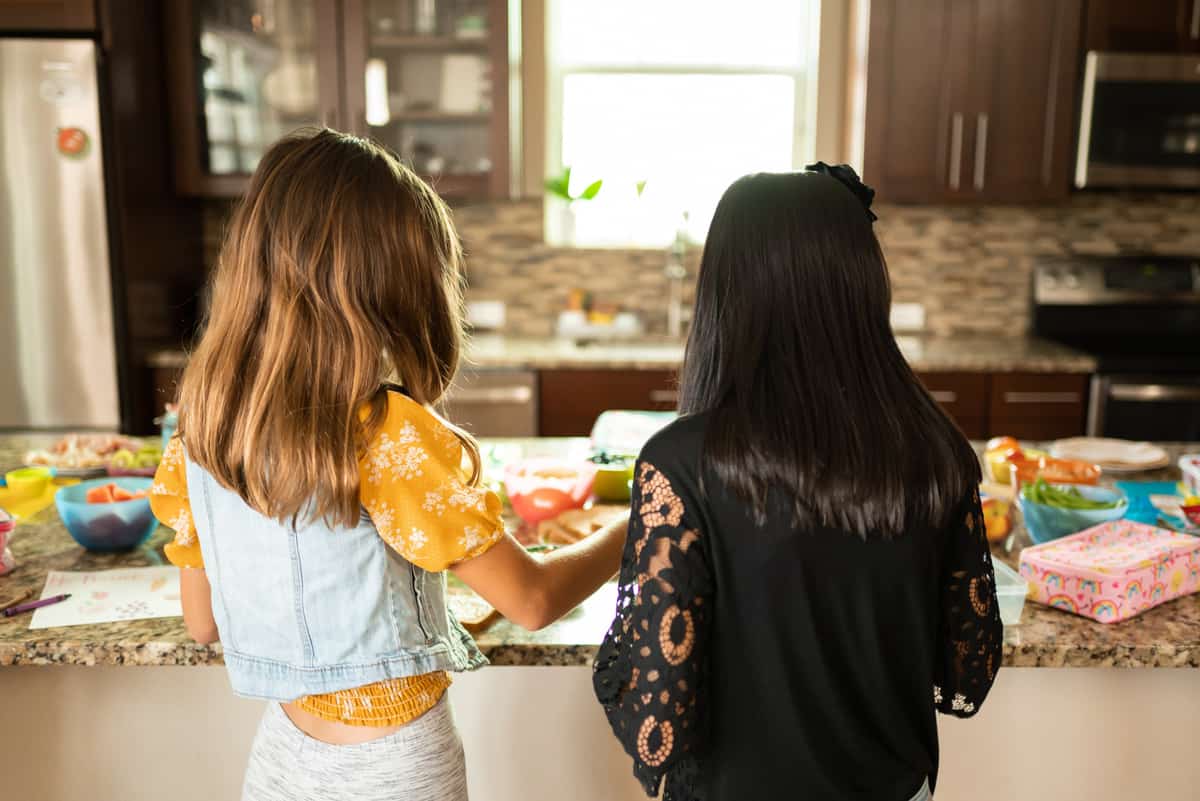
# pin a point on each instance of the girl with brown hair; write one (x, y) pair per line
(316, 497)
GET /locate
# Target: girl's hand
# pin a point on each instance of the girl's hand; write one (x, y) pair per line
(535, 590)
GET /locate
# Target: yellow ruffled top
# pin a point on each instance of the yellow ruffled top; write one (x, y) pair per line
(412, 484)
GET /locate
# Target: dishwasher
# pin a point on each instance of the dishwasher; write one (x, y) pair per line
(493, 402)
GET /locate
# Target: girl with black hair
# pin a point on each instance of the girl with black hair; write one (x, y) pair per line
(806, 578)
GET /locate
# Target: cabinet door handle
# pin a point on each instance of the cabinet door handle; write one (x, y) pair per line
(664, 396)
(956, 135)
(944, 396)
(492, 395)
(1152, 392)
(1196, 19)
(1042, 397)
(981, 126)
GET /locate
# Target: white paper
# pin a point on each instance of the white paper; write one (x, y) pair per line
(104, 596)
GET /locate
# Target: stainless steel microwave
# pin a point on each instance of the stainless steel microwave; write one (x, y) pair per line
(1140, 121)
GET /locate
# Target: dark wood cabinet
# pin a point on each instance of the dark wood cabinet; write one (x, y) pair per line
(915, 115)
(1038, 405)
(964, 396)
(570, 400)
(1146, 26)
(47, 15)
(428, 80)
(971, 101)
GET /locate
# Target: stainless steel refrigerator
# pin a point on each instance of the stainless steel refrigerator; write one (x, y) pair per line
(58, 366)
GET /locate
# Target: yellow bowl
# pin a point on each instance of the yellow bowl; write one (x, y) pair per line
(28, 482)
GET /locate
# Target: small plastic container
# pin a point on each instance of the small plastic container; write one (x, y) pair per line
(1011, 590)
(1189, 465)
(7, 524)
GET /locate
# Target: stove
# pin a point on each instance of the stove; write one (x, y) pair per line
(1139, 317)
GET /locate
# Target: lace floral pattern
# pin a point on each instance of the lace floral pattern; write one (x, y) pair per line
(650, 671)
(972, 634)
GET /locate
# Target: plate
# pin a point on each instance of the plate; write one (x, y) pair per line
(1114, 455)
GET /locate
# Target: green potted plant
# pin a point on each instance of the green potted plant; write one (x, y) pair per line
(558, 189)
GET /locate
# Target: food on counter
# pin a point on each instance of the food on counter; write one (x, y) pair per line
(78, 451)
(614, 474)
(539, 489)
(1051, 512)
(468, 607)
(1189, 465)
(1040, 491)
(145, 456)
(1002, 451)
(997, 518)
(577, 524)
(1143, 567)
(111, 493)
(1055, 471)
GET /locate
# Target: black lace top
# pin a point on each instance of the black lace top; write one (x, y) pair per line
(766, 662)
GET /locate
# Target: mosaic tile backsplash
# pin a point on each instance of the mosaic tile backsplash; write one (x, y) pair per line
(969, 265)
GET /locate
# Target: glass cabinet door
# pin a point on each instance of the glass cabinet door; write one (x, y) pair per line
(254, 70)
(428, 79)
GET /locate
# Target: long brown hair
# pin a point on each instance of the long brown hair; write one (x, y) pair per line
(340, 270)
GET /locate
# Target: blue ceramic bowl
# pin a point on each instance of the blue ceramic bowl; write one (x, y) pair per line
(1046, 523)
(115, 526)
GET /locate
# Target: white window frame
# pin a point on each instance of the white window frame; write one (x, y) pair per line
(558, 229)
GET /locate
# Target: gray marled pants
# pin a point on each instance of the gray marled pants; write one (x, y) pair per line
(423, 761)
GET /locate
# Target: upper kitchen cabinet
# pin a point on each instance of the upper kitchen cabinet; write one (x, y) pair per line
(429, 80)
(1023, 99)
(244, 73)
(1147, 26)
(970, 101)
(47, 15)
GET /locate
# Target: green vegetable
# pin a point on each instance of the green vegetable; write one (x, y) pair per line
(123, 458)
(1047, 494)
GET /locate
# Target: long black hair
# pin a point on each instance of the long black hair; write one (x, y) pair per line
(792, 356)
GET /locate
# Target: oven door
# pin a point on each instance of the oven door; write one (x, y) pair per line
(1140, 121)
(1145, 407)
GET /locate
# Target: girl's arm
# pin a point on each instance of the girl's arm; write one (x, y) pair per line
(197, 605)
(535, 591)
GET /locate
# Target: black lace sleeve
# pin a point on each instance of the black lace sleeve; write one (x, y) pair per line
(650, 671)
(972, 636)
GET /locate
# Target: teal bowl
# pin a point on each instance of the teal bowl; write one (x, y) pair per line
(1046, 523)
(115, 526)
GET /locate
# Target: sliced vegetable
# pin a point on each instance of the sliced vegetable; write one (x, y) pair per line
(1041, 491)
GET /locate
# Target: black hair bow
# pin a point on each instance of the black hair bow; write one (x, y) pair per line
(847, 177)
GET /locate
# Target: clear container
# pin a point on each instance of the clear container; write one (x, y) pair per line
(1189, 465)
(1011, 590)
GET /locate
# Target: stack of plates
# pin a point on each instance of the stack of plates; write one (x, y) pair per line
(1113, 455)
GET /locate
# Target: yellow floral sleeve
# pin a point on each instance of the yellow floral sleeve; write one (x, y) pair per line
(169, 502)
(415, 489)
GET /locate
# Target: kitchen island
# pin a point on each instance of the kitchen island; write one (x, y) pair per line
(541, 685)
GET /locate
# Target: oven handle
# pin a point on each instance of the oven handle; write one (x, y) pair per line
(514, 394)
(1152, 393)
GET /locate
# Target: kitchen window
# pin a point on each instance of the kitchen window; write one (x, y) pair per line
(667, 103)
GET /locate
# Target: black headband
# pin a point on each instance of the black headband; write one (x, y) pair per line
(847, 177)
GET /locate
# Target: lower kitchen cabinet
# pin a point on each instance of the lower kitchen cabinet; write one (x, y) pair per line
(570, 400)
(1038, 405)
(964, 396)
(494, 403)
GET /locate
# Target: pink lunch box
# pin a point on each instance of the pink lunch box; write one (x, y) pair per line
(1113, 571)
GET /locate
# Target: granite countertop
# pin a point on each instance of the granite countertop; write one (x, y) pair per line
(1167, 636)
(925, 354)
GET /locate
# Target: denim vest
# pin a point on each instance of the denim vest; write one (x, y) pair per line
(312, 610)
